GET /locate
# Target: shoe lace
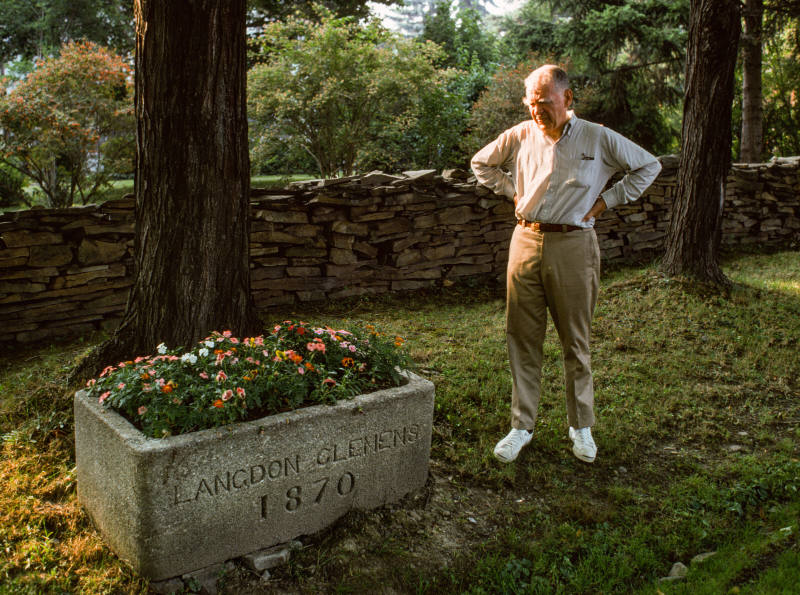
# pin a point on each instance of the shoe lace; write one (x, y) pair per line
(585, 436)
(518, 437)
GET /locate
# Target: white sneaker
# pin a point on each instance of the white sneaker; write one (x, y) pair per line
(583, 445)
(508, 448)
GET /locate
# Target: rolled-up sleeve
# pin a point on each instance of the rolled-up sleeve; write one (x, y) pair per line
(488, 165)
(639, 166)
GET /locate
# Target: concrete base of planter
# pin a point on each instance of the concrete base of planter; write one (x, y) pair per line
(170, 506)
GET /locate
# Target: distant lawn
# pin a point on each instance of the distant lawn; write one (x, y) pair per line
(698, 404)
(120, 188)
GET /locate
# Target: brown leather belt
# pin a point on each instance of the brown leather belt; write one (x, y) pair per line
(539, 226)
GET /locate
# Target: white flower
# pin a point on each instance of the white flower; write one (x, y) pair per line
(202, 352)
(162, 349)
(210, 344)
(189, 357)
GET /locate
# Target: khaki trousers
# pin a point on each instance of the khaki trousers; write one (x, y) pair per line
(559, 272)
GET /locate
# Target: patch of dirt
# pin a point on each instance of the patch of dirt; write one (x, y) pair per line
(426, 529)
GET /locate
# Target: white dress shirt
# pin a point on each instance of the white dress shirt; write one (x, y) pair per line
(558, 182)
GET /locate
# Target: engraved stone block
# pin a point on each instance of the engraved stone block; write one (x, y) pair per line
(173, 505)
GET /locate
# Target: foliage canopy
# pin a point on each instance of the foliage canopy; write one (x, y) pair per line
(68, 126)
(352, 95)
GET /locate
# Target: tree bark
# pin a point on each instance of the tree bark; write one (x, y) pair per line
(695, 228)
(752, 112)
(192, 180)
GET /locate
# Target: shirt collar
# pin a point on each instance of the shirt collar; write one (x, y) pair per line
(573, 120)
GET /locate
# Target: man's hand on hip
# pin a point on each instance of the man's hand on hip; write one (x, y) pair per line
(598, 207)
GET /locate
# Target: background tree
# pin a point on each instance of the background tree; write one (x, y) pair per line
(500, 105)
(752, 112)
(261, 12)
(694, 232)
(192, 179)
(781, 84)
(628, 53)
(38, 29)
(347, 93)
(68, 126)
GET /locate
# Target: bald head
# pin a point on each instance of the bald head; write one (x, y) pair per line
(549, 73)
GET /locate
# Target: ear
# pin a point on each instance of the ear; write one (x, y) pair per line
(568, 97)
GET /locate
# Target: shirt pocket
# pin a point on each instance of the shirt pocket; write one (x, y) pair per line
(579, 172)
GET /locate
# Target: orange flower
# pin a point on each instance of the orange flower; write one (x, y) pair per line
(145, 376)
(167, 388)
(309, 366)
(348, 362)
(296, 358)
(219, 404)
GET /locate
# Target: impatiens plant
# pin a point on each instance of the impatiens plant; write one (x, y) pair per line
(224, 379)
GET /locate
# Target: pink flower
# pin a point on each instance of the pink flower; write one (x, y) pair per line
(301, 370)
(91, 382)
(203, 375)
(104, 396)
(221, 376)
(227, 395)
(226, 334)
(240, 391)
(160, 382)
(147, 387)
(106, 370)
(142, 410)
(234, 340)
(352, 348)
(120, 386)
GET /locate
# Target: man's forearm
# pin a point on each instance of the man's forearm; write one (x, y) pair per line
(632, 184)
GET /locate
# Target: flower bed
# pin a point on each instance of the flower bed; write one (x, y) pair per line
(224, 379)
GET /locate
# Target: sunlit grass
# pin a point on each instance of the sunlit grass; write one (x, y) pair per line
(698, 403)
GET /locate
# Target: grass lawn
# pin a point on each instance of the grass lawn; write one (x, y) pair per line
(698, 404)
(120, 188)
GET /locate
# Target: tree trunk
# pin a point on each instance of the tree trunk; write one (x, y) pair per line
(752, 112)
(694, 232)
(192, 180)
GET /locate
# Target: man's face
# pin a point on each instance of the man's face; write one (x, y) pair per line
(548, 105)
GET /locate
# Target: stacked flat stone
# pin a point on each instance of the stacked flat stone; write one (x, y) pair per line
(68, 271)
(64, 272)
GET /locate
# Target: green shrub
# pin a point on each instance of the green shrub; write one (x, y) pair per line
(12, 183)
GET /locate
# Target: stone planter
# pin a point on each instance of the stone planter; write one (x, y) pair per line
(173, 505)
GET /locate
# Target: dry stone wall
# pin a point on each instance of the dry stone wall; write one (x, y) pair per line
(68, 271)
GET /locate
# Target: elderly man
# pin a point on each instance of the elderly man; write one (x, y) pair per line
(554, 167)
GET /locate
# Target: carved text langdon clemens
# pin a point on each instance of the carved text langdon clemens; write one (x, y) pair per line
(254, 473)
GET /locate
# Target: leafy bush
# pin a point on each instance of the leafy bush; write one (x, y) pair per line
(11, 184)
(224, 379)
(69, 124)
(350, 95)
